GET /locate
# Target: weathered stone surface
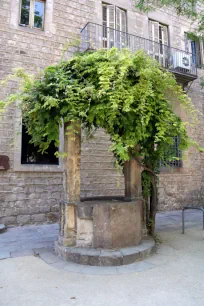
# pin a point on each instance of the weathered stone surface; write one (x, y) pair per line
(84, 232)
(23, 219)
(110, 258)
(85, 211)
(53, 217)
(98, 257)
(38, 218)
(117, 224)
(8, 220)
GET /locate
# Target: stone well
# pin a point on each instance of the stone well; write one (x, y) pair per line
(101, 233)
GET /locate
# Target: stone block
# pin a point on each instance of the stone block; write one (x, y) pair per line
(84, 232)
(38, 218)
(130, 255)
(55, 208)
(85, 211)
(23, 219)
(110, 258)
(117, 224)
(8, 220)
(44, 209)
(52, 216)
(11, 197)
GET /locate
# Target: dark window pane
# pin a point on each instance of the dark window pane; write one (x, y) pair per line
(193, 49)
(39, 14)
(25, 10)
(30, 154)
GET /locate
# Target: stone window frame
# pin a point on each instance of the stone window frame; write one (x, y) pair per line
(48, 27)
(17, 166)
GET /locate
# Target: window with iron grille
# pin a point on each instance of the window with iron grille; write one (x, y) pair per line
(32, 13)
(176, 163)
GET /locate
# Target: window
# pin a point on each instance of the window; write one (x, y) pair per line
(30, 154)
(176, 163)
(32, 13)
(159, 41)
(193, 47)
(114, 26)
(190, 6)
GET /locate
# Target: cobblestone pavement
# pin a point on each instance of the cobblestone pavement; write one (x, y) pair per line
(39, 241)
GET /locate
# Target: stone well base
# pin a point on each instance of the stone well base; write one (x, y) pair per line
(105, 257)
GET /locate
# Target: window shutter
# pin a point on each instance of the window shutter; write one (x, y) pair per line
(105, 15)
(118, 19)
(124, 28)
(121, 27)
(150, 30)
(108, 25)
(111, 25)
(155, 31)
(154, 37)
(123, 21)
(111, 16)
(105, 21)
(166, 37)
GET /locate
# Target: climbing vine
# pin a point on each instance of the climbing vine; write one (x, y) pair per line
(128, 95)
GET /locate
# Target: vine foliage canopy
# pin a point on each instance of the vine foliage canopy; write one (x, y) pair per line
(128, 95)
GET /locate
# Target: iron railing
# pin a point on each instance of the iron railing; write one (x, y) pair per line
(95, 36)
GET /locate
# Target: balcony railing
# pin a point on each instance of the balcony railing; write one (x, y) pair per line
(95, 36)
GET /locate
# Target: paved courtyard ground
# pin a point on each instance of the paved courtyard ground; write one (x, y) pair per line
(31, 275)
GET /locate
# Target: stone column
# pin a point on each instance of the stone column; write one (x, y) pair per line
(68, 218)
(133, 180)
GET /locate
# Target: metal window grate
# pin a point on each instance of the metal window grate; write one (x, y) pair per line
(176, 163)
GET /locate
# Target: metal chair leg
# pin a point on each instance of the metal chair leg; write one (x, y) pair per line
(203, 219)
(183, 221)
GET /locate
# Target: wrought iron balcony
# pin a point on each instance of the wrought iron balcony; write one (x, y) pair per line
(181, 63)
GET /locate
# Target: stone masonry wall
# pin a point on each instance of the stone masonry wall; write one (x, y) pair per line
(185, 186)
(31, 194)
(99, 177)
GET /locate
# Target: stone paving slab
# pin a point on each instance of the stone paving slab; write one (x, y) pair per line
(22, 253)
(49, 257)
